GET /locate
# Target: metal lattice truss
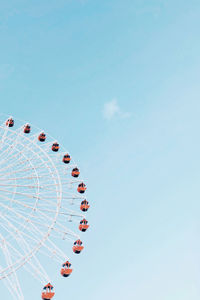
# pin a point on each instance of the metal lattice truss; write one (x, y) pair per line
(37, 192)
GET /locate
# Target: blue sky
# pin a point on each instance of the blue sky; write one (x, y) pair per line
(117, 82)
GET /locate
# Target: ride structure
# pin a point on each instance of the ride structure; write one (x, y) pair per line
(39, 186)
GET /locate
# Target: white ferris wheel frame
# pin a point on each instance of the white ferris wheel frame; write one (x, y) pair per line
(18, 146)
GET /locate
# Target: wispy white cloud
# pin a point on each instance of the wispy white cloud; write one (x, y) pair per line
(112, 109)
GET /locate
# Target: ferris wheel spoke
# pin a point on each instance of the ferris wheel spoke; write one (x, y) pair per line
(3, 137)
(47, 146)
(20, 203)
(31, 206)
(11, 147)
(53, 249)
(37, 180)
(65, 231)
(55, 252)
(18, 185)
(39, 270)
(8, 283)
(22, 156)
(30, 235)
(50, 253)
(42, 214)
(18, 162)
(36, 266)
(21, 216)
(24, 170)
(42, 152)
(15, 282)
(24, 178)
(17, 236)
(35, 269)
(59, 227)
(14, 287)
(25, 219)
(41, 187)
(21, 194)
(5, 130)
(71, 213)
(35, 153)
(64, 211)
(66, 200)
(20, 233)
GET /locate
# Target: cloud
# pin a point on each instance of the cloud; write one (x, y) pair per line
(112, 109)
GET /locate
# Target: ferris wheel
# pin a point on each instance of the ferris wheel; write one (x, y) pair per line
(39, 186)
